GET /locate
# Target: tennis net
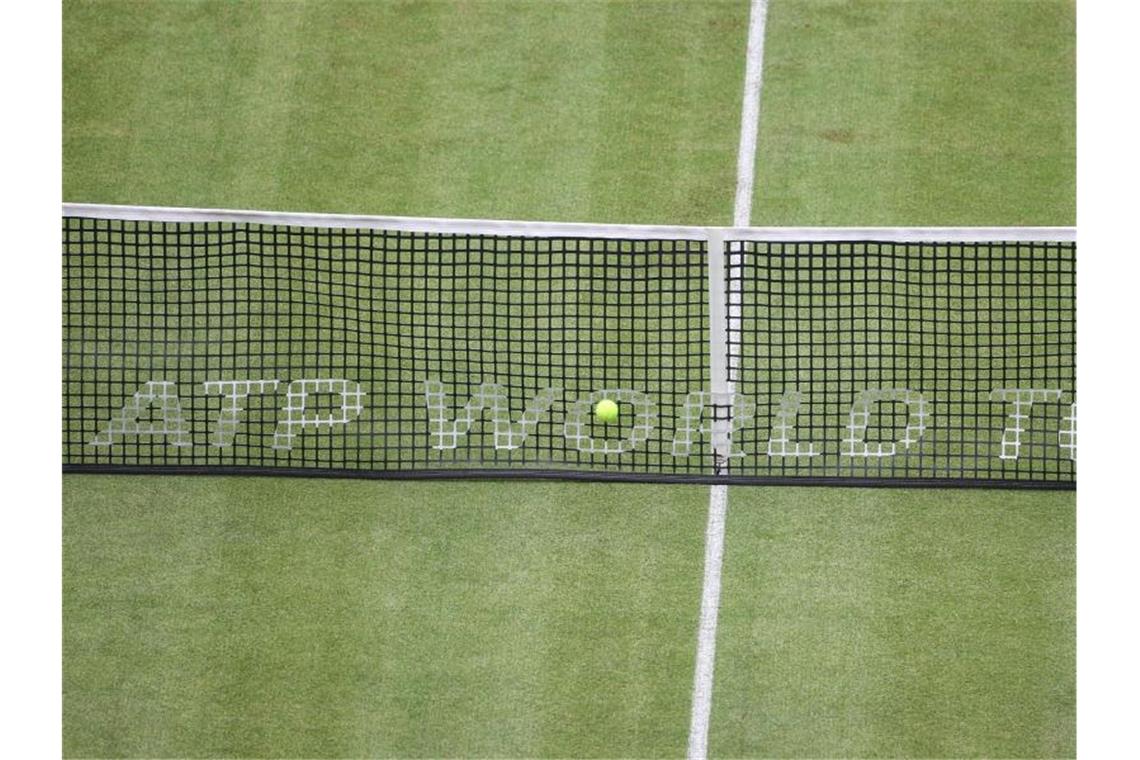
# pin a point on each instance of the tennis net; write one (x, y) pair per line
(199, 341)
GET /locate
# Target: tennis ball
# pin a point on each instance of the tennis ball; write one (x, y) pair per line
(606, 410)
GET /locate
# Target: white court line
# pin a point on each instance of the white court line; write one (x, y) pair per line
(718, 495)
(750, 115)
(706, 633)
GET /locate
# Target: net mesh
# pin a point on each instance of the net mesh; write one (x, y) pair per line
(246, 345)
(233, 346)
(906, 360)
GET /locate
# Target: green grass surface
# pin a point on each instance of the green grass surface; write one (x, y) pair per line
(268, 618)
(896, 624)
(219, 617)
(918, 113)
(578, 111)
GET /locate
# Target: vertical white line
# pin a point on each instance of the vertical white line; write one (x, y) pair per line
(706, 633)
(718, 495)
(750, 115)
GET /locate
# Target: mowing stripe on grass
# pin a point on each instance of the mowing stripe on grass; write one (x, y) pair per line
(718, 495)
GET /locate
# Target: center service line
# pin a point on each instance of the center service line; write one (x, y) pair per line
(718, 495)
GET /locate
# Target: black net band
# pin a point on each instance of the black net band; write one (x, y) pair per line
(245, 347)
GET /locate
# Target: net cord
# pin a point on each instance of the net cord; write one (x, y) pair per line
(566, 229)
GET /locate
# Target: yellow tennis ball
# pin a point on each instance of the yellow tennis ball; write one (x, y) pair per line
(606, 410)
